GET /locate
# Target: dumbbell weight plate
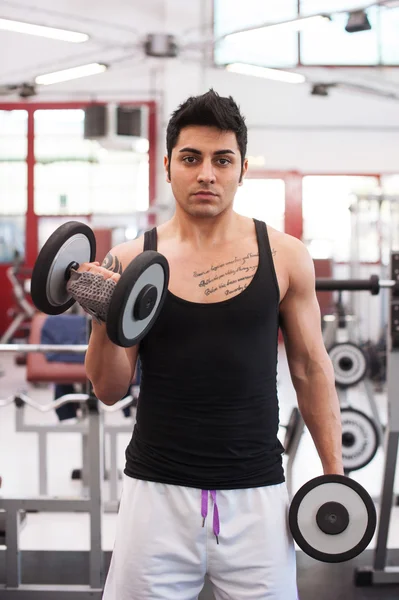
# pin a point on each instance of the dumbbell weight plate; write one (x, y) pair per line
(349, 362)
(138, 298)
(332, 518)
(359, 439)
(69, 243)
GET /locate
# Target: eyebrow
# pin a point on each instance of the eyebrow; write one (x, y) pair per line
(217, 153)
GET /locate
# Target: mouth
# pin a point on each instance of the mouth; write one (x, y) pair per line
(205, 194)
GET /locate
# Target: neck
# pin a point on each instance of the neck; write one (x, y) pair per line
(205, 232)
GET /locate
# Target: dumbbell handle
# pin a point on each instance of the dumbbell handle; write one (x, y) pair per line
(73, 265)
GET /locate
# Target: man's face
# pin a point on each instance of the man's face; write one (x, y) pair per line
(205, 170)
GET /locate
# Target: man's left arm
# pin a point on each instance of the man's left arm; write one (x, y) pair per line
(310, 366)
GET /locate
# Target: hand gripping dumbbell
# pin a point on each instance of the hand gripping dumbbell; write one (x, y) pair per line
(136, 299)
(332, 518)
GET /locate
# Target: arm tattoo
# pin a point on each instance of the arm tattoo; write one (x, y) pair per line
(112, 263)
(274, 252)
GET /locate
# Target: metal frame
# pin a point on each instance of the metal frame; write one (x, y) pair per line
(380, 573)
(81, 427)
(93, 504)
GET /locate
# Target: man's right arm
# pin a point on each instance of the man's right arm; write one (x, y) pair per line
(109, 367)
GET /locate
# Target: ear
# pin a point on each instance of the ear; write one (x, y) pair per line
(244, 171)
(166, 167)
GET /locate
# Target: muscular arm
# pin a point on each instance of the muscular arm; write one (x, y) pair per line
(109, 367)
(310, 366)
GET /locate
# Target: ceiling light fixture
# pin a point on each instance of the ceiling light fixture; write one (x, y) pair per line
(275, 74)
(68, 74)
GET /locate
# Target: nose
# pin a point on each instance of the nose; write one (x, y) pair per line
(206, 173)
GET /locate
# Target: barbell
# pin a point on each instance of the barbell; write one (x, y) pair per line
(372, 285)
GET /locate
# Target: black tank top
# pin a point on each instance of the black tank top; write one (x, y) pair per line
(207, 414)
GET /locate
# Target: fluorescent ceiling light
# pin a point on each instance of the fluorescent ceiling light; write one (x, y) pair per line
(68, 74)
(265, 72)
(300, 24)
(41, 30)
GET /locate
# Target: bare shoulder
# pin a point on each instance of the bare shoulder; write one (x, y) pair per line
(121, 255)
(299, 264)
(293, 257)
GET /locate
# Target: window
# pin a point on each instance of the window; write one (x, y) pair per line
(271, 48)
(13, 169)
(329, 45)
(13, 183)
(77, 176)
(332, 45)
(262, 199)
(329, 227)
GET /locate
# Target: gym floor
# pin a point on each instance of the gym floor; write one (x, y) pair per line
(70, 531)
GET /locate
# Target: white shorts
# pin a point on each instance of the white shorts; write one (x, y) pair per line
(162, 550)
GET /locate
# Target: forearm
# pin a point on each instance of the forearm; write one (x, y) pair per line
(320, 409)
(107, 366)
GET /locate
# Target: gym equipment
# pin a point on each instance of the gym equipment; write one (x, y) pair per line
(291, 429)
(24, 309)
(372, 285)
(332, 518)
(349, 362)
(137, 298)
(68, 246)
(42, 431)
(92, 504)
(360, 439)
(380, 573)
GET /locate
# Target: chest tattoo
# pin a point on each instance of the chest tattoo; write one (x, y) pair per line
(232, 276)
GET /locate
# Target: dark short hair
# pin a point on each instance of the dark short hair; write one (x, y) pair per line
(209, 110)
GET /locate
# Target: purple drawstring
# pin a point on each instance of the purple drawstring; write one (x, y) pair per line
(204, 511)
(204, 506)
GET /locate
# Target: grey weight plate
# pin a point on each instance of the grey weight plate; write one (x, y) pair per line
(359, 439)
(72, 242)
(332, 518)
(138, 298)
(349, 362)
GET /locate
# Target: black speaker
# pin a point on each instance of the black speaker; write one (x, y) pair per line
(95, 121)
(129, 121)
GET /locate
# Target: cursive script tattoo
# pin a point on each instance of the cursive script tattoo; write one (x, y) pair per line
(274, 252)
(112, 263)
(231, 280)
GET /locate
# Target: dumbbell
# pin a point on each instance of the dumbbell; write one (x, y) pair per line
(332, 518)
(138, 295)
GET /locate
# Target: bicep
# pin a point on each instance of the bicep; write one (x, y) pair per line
(300, 318)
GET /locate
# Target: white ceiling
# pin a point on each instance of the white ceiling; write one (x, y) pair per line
(117, 29)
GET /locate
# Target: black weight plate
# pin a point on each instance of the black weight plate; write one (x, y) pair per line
(72, 241)
(314, 495)
(149, 268)
(349, 362)
(359, 439)
(292, 426)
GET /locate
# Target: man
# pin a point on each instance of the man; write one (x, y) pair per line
(207, 421)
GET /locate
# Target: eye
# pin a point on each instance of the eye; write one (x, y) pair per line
(224, 162)
(189, 159)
